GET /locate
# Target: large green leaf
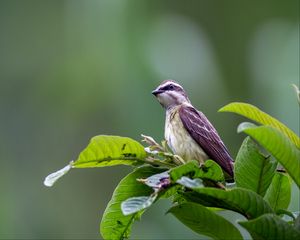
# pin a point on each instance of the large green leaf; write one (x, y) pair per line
(106, 150)
(270, 226)
(162, 181)
(244, 201)
(279, 192)
(278, 145)
(114, 224)
(259, 116)
(203, 221)
(209, 170)
(252, 170)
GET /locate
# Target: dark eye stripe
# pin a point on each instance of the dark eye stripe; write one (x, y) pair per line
(170, 87)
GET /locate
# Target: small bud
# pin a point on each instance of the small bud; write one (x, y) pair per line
(149, 140)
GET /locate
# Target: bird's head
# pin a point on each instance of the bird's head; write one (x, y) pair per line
(170, 94)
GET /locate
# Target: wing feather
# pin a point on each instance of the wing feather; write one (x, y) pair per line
(203, 132)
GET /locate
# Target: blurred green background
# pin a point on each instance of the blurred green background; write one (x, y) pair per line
(73, 69)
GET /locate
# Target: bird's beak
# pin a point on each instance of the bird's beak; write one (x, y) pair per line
(156, 92)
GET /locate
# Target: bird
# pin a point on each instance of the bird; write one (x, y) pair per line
(188, 132)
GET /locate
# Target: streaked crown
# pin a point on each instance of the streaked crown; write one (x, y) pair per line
(170, 94)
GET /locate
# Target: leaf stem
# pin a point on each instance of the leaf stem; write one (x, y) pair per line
(154, 161)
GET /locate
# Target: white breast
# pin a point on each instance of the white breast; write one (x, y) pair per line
(179, 140)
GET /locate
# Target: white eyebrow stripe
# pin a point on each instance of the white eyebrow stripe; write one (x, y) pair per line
(168, 83)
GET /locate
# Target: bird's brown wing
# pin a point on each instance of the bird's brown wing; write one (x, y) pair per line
(203, 132)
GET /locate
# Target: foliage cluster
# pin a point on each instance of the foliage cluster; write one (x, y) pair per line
(266, 164)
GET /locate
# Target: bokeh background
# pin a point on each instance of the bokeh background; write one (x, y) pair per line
(73, 69)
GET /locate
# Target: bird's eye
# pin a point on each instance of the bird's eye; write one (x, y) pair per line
(171, 87)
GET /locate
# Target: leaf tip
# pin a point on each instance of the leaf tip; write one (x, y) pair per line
(224, 108)
(244, 126)
(228, 107)
(297, 92)
(53, 177)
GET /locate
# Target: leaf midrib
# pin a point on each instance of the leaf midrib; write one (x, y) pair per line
(260, 184)
(79, 162)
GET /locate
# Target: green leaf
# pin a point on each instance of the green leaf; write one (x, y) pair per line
(255, 114)
(240, 200)
(106, 150)
(270, 226)
(188, 169)
(252, 170)
(279, 192)
(169, 192)
(203, 221)
(209, 170)
(285, 214)
(114, 225)
(278, 145)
